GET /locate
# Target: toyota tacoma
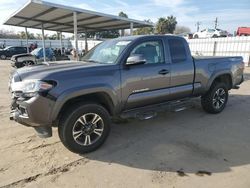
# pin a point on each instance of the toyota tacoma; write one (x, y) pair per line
(134, 76)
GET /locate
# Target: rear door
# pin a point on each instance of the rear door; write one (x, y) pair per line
(182, 69)
(147, 83)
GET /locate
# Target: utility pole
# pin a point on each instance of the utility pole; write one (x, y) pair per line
(198, 25)
(216, 23)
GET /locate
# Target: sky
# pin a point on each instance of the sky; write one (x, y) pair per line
(231, 14)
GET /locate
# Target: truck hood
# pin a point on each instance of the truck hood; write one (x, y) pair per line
(53, 69)
(21, 55)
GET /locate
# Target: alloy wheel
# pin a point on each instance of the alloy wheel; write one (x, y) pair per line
(88, 129)
(219, 98)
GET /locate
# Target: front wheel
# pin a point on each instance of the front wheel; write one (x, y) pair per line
(84, 127)
(216, 98)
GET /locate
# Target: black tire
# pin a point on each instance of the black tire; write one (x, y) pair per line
(210, 101)
(27, 63)
(70, 120)
(196, 36)
(3, 56)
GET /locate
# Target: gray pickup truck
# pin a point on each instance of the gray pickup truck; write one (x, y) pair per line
(133, 76)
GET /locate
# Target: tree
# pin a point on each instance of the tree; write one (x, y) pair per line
(108, 34)
(22, 35)
(181, 29)
(54, 37)
(124, 15)
(38, 36)
(166, 25)
(144, 30)
(8, 34)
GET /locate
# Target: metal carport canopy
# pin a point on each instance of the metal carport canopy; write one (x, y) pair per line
(57, 17)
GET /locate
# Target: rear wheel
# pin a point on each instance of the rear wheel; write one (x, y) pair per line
(216, 98)
(84, 127)
(28, 63)
(3, 56)
(196, 36)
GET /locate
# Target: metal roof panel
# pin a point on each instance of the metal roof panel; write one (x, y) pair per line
(56, 16)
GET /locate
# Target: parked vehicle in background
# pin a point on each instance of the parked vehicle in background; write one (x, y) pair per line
(8, 52)
(186, 35)
(36, 56)
(243, 31)
(210, 33)
(135, 76)
(2, 45)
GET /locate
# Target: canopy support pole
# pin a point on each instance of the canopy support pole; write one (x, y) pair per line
(61, 43)
(131, 28)
(27, 43)
(44, 54)
(86, 41)
(75, 34)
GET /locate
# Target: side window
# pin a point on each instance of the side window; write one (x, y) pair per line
(18, 49)
(152, 51)
(23, 50)
(12, 49)
(177, 51)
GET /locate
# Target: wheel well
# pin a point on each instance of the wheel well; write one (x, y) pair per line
(225, 78)
(100, 98)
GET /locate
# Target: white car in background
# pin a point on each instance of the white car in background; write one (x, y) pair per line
(210, 33)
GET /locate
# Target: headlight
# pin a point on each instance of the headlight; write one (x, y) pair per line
(30, 88)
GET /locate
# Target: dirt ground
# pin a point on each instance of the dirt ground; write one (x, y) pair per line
(176, 149)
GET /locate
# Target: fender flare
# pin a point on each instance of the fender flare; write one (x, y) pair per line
(81, 91)
(216, 75)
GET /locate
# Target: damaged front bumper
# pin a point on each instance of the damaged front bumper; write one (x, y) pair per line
(33, 112)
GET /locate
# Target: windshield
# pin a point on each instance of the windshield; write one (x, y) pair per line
(34, 52)
(7, 48)
(210, 30)
(107, 52)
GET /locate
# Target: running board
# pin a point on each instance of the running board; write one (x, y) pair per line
(149, 112)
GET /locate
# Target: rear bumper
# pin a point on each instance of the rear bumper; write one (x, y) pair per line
(238, 82)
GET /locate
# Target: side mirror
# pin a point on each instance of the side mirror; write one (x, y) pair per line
(135, 59)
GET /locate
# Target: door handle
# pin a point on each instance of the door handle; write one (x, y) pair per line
(163, 71)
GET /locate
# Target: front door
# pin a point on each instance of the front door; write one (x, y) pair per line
(147, 83)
